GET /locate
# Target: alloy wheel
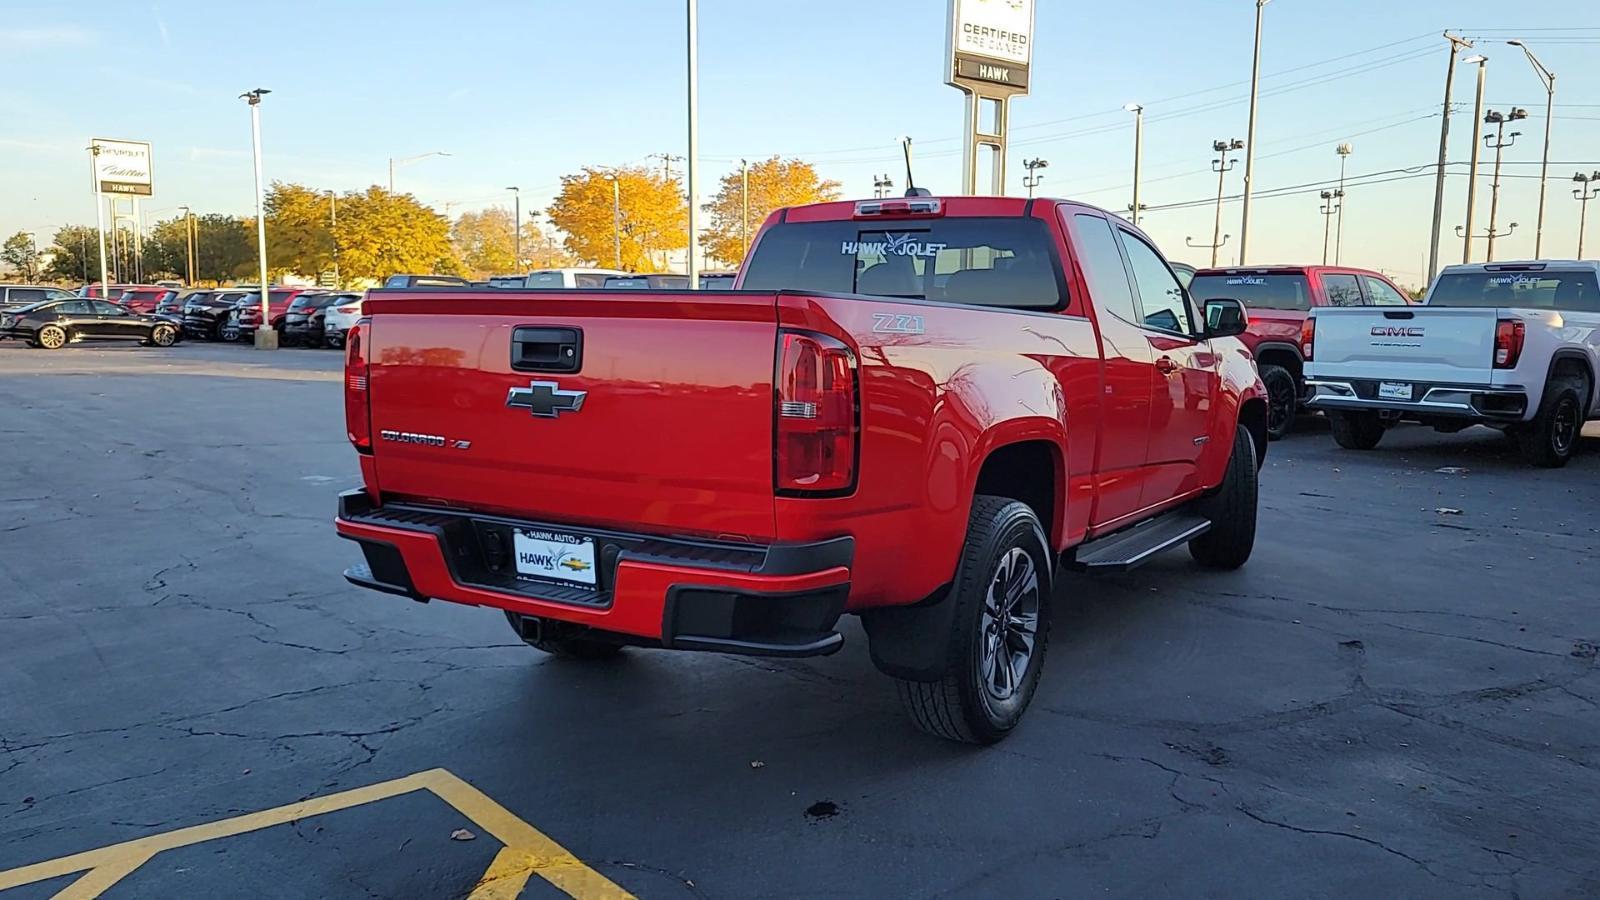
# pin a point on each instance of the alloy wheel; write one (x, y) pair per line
(1010, 623)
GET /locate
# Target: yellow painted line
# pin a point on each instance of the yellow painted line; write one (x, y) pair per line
(527, 850)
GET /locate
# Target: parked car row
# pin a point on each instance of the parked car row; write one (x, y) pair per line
(234, 314)
(57, 321)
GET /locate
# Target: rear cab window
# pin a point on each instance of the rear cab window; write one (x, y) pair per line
(1256, 290)
(1007, 262)
(1569, 291)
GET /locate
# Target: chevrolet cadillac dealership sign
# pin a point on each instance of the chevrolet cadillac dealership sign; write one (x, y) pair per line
(990, 44)
(122, 167)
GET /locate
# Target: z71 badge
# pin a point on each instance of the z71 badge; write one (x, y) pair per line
(892, 323)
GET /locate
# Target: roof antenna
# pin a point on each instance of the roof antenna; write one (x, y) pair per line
(911, 186)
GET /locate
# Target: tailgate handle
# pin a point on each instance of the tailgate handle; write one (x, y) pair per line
(1398, 314)
(546, 349)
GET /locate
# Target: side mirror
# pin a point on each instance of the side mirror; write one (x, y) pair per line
(1225, 318)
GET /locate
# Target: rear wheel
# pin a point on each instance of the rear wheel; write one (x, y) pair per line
(996, 647)
(163, 336)
(52, 337)
(1283, 400)
(1552, 437)
(1232, 510)
(1356, 430)
(550, 637)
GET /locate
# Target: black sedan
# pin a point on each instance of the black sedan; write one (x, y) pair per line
(53, 324)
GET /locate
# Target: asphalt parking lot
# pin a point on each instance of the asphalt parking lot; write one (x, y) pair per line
(1398, 696)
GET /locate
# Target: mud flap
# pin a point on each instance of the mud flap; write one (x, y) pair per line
(912, 642)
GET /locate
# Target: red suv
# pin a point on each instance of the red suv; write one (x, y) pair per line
(1278, 299)
(250, 309)
(144, 298)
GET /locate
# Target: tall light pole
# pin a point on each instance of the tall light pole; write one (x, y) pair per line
(1583, 195)
(1344, 151)
(882, 185)
(99, 211)
(1548, 78)
(616, 216)
(405, 160)
(1032, 179)
(1250, 136)
(1222, 166)
(266, 335)
(188, 246)
(333, 232)
(516, 223)
(1330, 208)
(1444, 147)
(1138, 155)
(744, 220)
(1499, 121)
(689, 164)
(1472, 175)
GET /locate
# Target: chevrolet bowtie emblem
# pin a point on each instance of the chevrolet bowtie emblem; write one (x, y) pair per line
(545, 399)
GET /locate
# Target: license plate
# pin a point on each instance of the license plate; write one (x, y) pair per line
(554, 555)
(1393, 390)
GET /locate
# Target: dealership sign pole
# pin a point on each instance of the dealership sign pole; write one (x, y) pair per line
(988, 49)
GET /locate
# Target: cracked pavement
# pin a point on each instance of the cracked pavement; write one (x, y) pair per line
(1386, 701)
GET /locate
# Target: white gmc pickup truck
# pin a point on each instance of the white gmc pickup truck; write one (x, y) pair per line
(1513, 345)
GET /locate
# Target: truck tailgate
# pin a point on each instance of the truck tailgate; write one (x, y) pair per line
(1420, 343)
(665, 426)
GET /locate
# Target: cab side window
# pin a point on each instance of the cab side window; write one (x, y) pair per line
(1165, 308)
(1342, 290)
(1382, 294)
(1097, 253)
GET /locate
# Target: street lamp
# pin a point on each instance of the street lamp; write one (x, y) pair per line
(881, 185)
(616, 216)
(1138, 154)
(516, 222)
(1477, 142)
(266, 335)
(1250, 136)
(1032, 179)
(333, 234)
(395, 163)
(1222, 166)
(692, 269)
(1499, 120)
(1549, 79)
(1332, 202)
(1583, 195)
(188, 245)
(1344, 151)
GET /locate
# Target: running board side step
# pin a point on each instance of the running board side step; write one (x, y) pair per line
(1132, 547)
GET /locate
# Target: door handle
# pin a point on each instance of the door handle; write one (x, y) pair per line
(1166, 366)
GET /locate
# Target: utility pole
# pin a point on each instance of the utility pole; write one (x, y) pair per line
(1250, 136)
(1222, 166)
(1583, 195)
(516, 225)
(1138, 155)
(1330, 207)
(616, 216)
(188, 246)
(1548, 78)
(1344, 151)
(1472, 176)
(266, 336)
(1032, 179)
(1499, 121)
(744, 221)
(667, 159)
(1444, 147)
(333, 232)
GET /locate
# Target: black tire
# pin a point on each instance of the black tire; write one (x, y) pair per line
(163, 336)
(1231, 509)
(1283, 401)
(565, 646)
(1356, 430)
(967, 704)
(1551, 439)
(334, 342)
(52, 337)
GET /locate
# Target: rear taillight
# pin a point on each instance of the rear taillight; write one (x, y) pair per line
(1508, 337)
(350, 310)
(815, 407)
(1308, 334)
(357, 408)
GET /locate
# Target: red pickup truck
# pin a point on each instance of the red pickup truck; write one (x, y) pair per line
(1279, 299)
(909, 409)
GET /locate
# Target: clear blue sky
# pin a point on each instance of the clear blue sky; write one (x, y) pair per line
(522, 92)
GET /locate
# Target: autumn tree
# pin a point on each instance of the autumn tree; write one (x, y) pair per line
(774, 183)
(18, 252)
(654, 217)
(226, 248)
(382, 234)
(485, 243)
(75, 254)
(300, 234)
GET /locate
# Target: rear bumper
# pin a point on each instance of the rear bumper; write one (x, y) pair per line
(1452, 401)
(776, 600)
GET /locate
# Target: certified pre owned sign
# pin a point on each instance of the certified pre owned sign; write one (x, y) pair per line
(991, 43)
